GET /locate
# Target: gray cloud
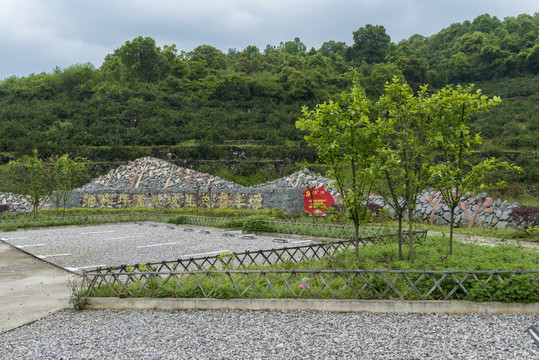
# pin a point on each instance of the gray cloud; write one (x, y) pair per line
(38, 35)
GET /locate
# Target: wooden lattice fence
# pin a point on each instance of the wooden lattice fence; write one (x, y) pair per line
(312, 284)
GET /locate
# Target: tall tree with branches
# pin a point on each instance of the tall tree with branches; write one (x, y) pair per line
(346, 139)
(456, 175)
(405, 151)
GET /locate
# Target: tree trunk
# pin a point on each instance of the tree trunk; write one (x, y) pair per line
(356, 240)
(411, 235)
(451, 226)
(400, 237)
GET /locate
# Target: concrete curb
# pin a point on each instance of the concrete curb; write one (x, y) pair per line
(375, 306)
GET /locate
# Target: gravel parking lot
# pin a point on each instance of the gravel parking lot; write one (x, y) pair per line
(160, 334)
(77, 248)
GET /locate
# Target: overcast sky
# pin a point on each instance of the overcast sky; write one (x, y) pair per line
(38, 35)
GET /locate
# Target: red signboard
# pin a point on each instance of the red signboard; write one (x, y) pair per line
(317, 201)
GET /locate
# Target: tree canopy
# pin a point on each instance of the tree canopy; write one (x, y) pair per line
(147, 95)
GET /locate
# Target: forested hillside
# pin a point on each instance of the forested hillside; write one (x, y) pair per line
(206, 104)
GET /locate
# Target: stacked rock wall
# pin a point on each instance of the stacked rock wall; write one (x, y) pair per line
(152, 173)
(301, 180)
(150, 182)
(474, 210)
(16, 203)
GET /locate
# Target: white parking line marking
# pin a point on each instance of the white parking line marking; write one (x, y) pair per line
(125, 237)
(97, 232)
(25, 246)
(52, 255)
(299, 242)
(211, 252)
(154, 245)
(84, 267)
(17, 238)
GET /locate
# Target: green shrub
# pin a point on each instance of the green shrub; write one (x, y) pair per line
(225, 291)
(518, 288)
(256, 223)
(234, 223)
(177, 220)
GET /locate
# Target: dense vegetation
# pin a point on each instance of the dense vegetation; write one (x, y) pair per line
(205, 104)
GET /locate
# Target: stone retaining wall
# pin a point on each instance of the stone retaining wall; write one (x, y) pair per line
(476, 210)
(17, 203)
(287, 199)
(151, 182)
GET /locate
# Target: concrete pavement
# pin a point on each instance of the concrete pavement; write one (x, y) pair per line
(30, 288)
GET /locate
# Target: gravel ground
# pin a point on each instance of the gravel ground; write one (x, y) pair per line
(151, 334)
(80, 247)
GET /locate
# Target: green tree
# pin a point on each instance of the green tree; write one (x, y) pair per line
(371, 44)
(456, 176)
(249, 60)
(138, 59)
(406, 150)
(414, 70)
(346, 139)
(460, 68)
(31, 178)
(66, 175)
(214, 58)
(172, 64)
(295, 47)
(379, 75)
(333, 47)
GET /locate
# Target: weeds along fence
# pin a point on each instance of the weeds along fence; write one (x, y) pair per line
(201, 277)
(319, 284)
(27, 221)
(206, 220)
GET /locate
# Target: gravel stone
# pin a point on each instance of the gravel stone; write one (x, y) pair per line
(160, 334)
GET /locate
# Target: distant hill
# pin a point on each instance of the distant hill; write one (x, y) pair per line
(206, 105)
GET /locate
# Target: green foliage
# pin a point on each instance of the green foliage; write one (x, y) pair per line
(145, 96)
(178, 220)
(32, 179)
(345, 138)
(255, 224)
(66, 175)
(405, 149)
(226, 259)
(235, 223)
(371, 44)
(456, 175)
(78, 297)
